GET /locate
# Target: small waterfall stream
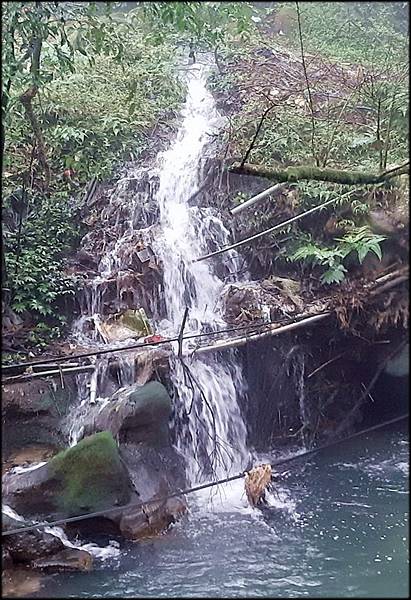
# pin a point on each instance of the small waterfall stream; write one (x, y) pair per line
(215, 429)
(209, 427)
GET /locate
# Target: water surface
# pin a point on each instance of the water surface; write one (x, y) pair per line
(338, 528)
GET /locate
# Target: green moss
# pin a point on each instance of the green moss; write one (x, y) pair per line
(90, 476)
(294, 174)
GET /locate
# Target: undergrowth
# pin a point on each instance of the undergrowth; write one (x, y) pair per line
(94, 117)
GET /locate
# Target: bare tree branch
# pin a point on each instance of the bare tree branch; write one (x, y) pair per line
(310, 99)
(253, 141)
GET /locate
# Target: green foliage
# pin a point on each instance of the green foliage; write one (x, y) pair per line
(362, 241)
(34, 257)
(102, 76)
(370, 33)
(206, 24)
(108, 108)
(358, 241)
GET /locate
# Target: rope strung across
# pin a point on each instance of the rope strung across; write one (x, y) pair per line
(197, 488)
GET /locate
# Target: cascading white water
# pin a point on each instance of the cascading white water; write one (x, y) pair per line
(209, 427)
(212, 433)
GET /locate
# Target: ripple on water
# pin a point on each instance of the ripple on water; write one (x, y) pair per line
(353, 542)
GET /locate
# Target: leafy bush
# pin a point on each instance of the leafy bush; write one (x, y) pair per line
(34, 261)
(358, 241)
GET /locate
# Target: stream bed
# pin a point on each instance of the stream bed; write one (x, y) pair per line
(337, 527)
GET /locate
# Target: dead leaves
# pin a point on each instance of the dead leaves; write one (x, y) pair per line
(257, 480)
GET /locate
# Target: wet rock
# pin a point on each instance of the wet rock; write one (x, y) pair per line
(6, 558)
(28, 545)
(138, 413)
(153, 519)
(69, 559)
(155, 473)
(128, 324)
(85, 259)
(136, 320)
(86, 478)
(142, 366)
(153, 362)
(399, 365)
(387, 222)
(28, 455)
(265, 300)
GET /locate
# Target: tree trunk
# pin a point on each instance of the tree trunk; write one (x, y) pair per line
(26, 99)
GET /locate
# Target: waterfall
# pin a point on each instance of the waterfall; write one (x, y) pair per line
(211, 431)
(208, 425)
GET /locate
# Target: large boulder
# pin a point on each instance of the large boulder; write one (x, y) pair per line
(139, 413)
(86, 478)
(138, 416)
(155, 474)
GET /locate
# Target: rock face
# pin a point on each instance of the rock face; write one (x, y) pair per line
(96, 475)
(35, 409)
(86, 478)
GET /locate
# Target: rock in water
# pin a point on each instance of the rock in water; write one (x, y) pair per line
(28, 545)
(152, 519)
(155, 472)
(19, 583)
(86, 478)
(69, 559)
(94, 476)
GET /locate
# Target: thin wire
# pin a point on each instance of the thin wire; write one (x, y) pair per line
(164, 341)
(271, 229)
(145, 344)
(202, 486)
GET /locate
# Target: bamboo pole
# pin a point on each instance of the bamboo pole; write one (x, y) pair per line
(398, 276)
(274, 330)
(388, 285)
(71, 370)
(272, 229)
(257, 198)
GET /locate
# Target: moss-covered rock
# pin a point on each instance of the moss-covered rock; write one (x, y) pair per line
(91, 475)
(86, 478)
